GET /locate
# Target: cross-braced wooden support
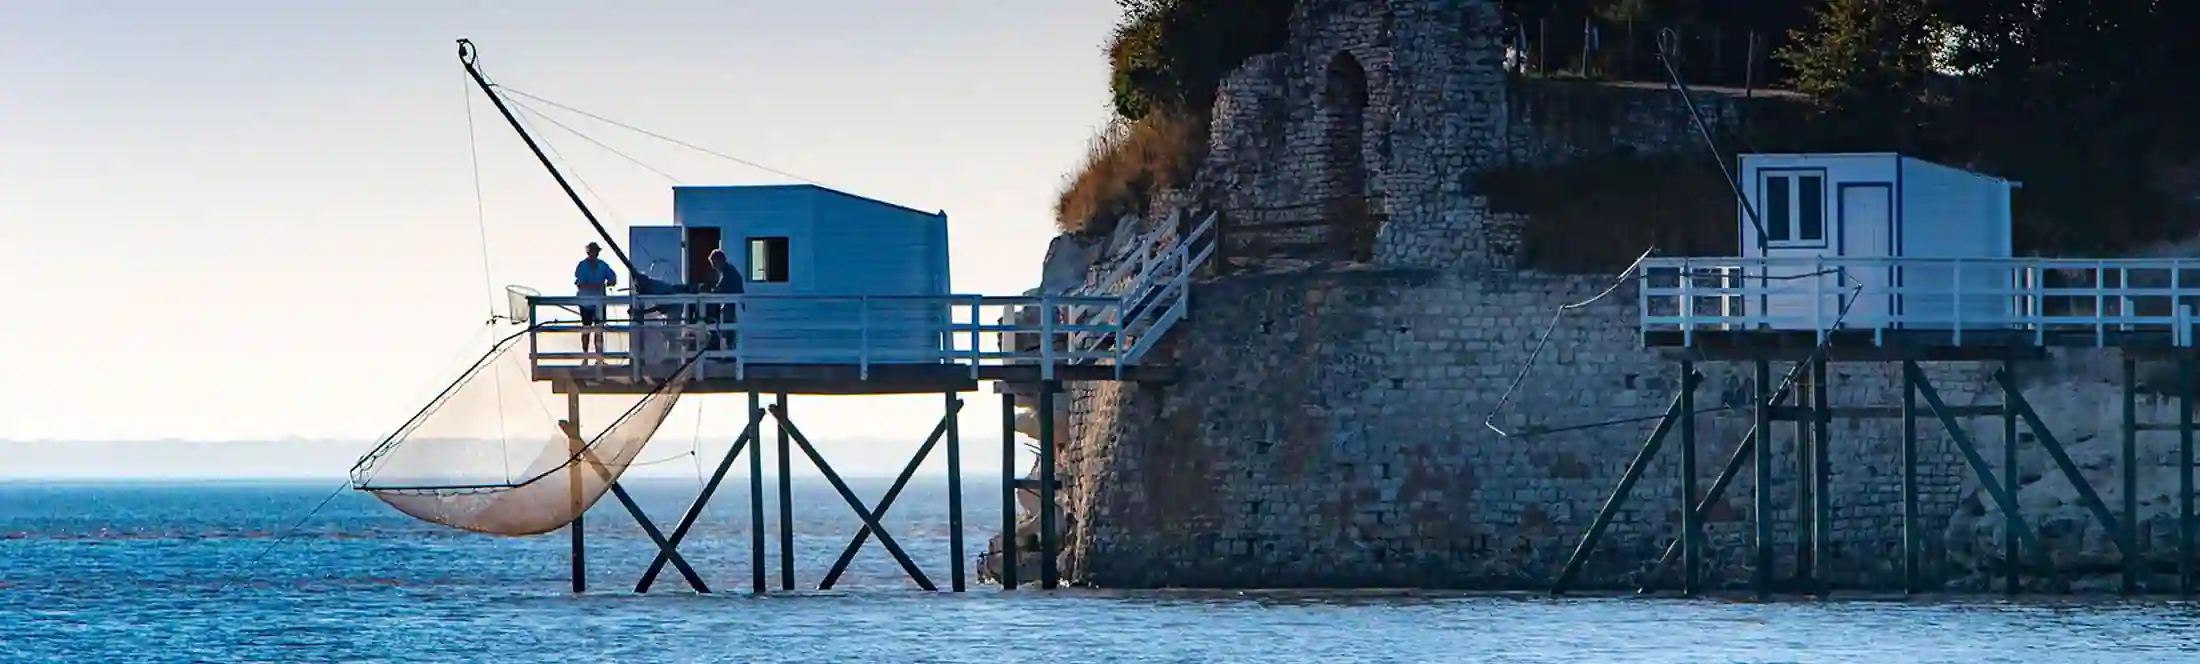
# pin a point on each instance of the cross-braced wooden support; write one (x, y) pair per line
(945, 429)
(1627, 481)
(702, 499)
(667, 547)
(1813, 496)
(870, 517)
(751, 442)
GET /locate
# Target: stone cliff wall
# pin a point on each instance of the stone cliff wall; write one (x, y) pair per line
(1367, 134)
(1328, 429)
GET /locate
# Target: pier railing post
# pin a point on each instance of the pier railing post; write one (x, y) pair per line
(1821, 521)
(1008, 489)
(954, 492)
(2130, 465)
(1805, 494)
(1049, 541)
(2011, 576)
(786, 503)
(1691, 526)
(1761, 481)
(1909, 479)
(756, 504)
(580, 531)
(2185, 526)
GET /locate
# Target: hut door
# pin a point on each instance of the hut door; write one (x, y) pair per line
(656, 252)
(701, 240)
(1866, 219)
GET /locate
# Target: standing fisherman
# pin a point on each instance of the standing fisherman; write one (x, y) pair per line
(593, 278)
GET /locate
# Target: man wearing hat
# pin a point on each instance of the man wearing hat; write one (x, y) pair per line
(593, 278)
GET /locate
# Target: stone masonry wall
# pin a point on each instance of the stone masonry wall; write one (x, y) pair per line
(1328, 428)
(1404, 103)
(1329, 432)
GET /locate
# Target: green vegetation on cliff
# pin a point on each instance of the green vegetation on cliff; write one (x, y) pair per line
(1168, 55)
(2084, 101)
(1166, 58)
(2080, 100)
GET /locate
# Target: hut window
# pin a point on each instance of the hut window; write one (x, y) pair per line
(768, 259)
(1794, 207)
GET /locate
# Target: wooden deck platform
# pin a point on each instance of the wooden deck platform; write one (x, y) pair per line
(1902, 345)
(718, 377)
(2008, 309)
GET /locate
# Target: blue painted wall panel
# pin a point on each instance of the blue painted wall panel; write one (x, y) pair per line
(1954, 213)
(838, 245)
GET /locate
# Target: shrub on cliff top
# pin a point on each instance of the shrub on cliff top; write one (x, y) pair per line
(1170, 55)
(1124, 165)
(1166, 58)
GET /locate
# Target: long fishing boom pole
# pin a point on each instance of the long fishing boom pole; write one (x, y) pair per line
(466, 57)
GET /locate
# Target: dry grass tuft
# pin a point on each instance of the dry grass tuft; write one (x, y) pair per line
(1124, 165)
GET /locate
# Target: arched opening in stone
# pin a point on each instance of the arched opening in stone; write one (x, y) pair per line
(1343, 185)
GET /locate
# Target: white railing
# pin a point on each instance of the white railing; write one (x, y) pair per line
(2040, 296)
(1152, 286)
(862, 331)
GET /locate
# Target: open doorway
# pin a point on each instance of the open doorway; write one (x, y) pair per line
(701, 240)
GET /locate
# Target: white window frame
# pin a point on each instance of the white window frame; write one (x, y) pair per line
(1792, 205)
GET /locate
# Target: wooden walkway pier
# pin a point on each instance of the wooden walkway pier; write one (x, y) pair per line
(1807, 312)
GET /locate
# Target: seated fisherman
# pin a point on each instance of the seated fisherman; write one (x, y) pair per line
(728, 281)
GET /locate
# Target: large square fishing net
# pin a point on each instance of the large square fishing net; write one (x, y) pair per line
(499, 452)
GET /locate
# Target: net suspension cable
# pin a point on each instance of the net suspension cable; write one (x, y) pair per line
(1667, 47)
(668, 139)
(288, 532)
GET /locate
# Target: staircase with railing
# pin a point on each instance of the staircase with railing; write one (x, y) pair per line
(1148, 291)
(1154, 283)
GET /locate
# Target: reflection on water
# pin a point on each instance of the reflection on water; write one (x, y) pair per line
(135, 573)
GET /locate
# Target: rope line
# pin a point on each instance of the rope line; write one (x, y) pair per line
(661, 137)
(481, 223)
(591, 139)
(1544, 341)
(571, 172)
(695, 444)
(645, 464)
(1666, 41)
(481, 214)
(293, 530)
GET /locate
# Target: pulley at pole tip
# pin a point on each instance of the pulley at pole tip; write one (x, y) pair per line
(465, 51)
(1668, 43)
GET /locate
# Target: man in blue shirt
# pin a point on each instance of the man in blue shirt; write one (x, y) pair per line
(593, 278)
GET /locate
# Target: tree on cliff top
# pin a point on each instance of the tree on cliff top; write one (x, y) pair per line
(2084, 100)
(1170, 55)
(1866, 64)
(1166, 58)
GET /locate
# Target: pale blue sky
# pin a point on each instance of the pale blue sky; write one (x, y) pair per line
(251, 220)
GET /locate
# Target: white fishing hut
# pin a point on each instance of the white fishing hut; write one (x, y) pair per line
(1858, 210)
(868, 277)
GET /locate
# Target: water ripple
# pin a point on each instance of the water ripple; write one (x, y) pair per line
(151, 574)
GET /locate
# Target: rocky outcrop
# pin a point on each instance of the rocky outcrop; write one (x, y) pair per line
(2087, 415)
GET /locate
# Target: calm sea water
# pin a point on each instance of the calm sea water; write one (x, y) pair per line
(149, 573)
